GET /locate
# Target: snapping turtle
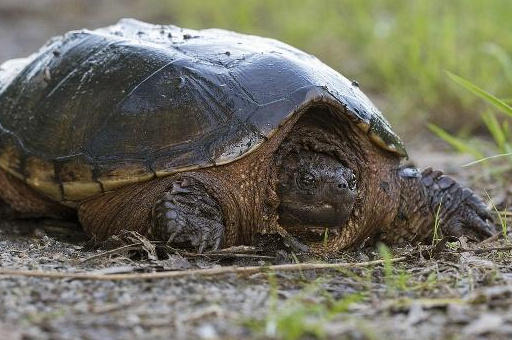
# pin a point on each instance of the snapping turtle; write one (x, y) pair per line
(208, 137)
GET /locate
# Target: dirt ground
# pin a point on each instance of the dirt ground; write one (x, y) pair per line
(454, 295)
(458, 293)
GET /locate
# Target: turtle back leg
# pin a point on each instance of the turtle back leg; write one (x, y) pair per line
(429, 196)
(20, 201)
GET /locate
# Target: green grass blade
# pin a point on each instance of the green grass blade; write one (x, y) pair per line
(460, 145)
(491, 99)
(487, 159)
(503, 222)
(499, 133)
(436, 236)
(502, 57)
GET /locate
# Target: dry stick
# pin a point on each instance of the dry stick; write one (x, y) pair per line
(222, 254)
(182, 253)
(229, 256)
(210, 271)
(483, 250)
(188, 273)
(110, 252)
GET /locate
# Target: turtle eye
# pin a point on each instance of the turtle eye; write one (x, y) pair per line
(306, 180)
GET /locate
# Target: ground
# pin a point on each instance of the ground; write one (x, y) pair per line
(456, 294)
(449, 291)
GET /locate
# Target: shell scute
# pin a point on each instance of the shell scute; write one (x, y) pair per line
(133, 101)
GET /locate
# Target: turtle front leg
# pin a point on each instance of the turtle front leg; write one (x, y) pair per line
(187, 214)
(429, 195)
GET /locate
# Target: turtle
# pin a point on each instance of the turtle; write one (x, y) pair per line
(207, 138)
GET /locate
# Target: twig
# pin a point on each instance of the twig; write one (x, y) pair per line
(219, 254)
(238, 250)
(232, 252)
(110, 252)
(188, 273)
(228, 255)
(109, 308)
(483, 250)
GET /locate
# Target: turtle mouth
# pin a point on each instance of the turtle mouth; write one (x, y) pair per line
(314, 217)
(314, 234)
(312, 223)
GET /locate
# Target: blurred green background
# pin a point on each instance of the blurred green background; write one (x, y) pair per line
(396, 49)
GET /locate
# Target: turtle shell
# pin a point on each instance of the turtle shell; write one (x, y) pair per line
(96, 110)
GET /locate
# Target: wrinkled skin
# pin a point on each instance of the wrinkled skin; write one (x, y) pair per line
(188, 214)
(460, 211)
(315, 190)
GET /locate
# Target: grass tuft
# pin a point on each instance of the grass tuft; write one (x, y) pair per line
(397, 280)
(302, 316)
(498, 128)
(437, 235)
(489, 98)
(502, 219)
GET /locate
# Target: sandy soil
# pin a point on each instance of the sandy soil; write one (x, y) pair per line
(454, 295)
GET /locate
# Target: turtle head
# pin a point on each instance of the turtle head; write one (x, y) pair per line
(316, 191)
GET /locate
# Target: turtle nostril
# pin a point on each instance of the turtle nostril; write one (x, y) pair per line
(344, 185)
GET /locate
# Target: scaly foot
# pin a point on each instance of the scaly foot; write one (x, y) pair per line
(187, 214)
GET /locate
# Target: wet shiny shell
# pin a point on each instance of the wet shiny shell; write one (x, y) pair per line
(96, 110)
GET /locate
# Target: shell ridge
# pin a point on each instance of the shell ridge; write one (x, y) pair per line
(149, 77)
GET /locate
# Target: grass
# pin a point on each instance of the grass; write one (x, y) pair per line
(397, 50)
(307, 312)
(497, 127)
(301, 315)
(458, 144)
(396, 280)
(437, 235)
(501, 219)
(399, 282)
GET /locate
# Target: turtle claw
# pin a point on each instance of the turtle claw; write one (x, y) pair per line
(171, 238)
(186, 215)
(466, 220)
(475, 215)
(201, 248)
(218, 242)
